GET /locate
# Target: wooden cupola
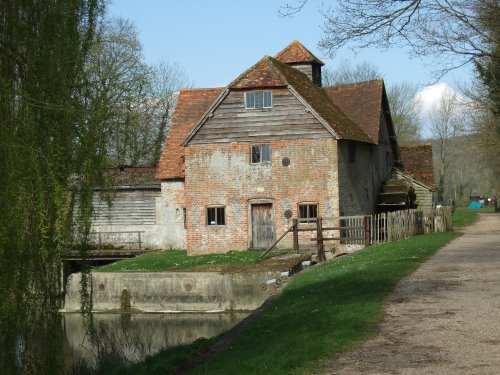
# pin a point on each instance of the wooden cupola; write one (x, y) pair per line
(299, 57)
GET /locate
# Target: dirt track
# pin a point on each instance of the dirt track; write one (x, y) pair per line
(444, 318)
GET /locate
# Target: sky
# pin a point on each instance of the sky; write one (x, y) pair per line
(214, 41)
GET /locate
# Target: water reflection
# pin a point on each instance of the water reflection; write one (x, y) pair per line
(132, 337)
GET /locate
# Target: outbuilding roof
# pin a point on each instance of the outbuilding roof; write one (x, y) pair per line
(417, 163)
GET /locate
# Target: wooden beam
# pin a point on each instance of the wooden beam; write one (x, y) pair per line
(276, 242)
(296, 236)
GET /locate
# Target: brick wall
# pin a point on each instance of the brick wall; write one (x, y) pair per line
(221, 174)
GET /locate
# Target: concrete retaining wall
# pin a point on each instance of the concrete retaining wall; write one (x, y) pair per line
(175, 291)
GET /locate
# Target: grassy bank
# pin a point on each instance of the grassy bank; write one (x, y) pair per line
(464, 216)
(320, 314)
(177, 260)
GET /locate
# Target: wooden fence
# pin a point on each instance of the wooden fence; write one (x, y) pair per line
(366, 230)
(398, 225)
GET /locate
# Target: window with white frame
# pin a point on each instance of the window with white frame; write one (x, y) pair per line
(308, 212)
(258, 99)
(216, 215)
(261, 154)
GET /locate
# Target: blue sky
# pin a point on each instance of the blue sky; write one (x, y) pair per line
(214, 41)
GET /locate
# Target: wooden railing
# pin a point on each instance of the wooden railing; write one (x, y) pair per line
(347, 233)
(367, 230)
(100, 242)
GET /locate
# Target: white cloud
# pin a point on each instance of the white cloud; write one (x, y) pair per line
(430, 98)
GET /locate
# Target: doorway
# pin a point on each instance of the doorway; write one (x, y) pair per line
(262, 225)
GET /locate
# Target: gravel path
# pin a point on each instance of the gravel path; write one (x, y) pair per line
(442, 319)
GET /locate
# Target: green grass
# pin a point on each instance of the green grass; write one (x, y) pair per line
(177, 259)
(464, 216)
(321, 313)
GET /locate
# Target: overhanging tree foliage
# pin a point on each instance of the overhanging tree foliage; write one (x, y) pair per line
(452, 31)
(49, 146)
(133, 100)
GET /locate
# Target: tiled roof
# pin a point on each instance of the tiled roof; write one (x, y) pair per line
(417, 163)
(191, 106)
(362, 102)
(262, 74)
(134, 177)
(342, 125)
(295, 52)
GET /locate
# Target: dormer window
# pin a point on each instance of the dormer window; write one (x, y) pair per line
(258, 99)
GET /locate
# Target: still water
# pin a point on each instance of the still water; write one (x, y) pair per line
(136, 336)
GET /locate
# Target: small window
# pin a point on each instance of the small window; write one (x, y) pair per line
(258, 99)
(216, 215)
(261, 154)
(308, 213)
(351, 152)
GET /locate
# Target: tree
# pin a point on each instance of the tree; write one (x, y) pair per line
(453, 31)
(118, 93)
(46, 140)
(405, 110)
(403, 101)
(445, 126)
(348, 73)
(131, 99)
(167, 79)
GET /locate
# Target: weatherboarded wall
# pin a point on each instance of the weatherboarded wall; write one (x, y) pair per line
(222, 174)
(131, 211)
(287, 119)
(424, 196)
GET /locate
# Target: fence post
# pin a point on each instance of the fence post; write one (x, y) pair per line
(296, 236)
(139, 234)
(319, 240)
(367, 230)
(100, 241)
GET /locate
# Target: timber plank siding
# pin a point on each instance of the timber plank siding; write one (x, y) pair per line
(128, 208)
(232, 122)
(424, 197)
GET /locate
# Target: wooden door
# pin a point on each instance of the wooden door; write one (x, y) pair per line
(262, 225)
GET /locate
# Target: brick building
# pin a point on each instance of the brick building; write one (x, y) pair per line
(240, 162)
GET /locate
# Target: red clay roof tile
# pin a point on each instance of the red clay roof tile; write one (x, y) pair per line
(362, 102)
(295, 52)
(262, 74)
(417, 163)
(317, 98)
(191, 106)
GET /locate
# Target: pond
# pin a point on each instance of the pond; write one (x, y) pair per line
(133, 337)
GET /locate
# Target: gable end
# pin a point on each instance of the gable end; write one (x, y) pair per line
(288, 118)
